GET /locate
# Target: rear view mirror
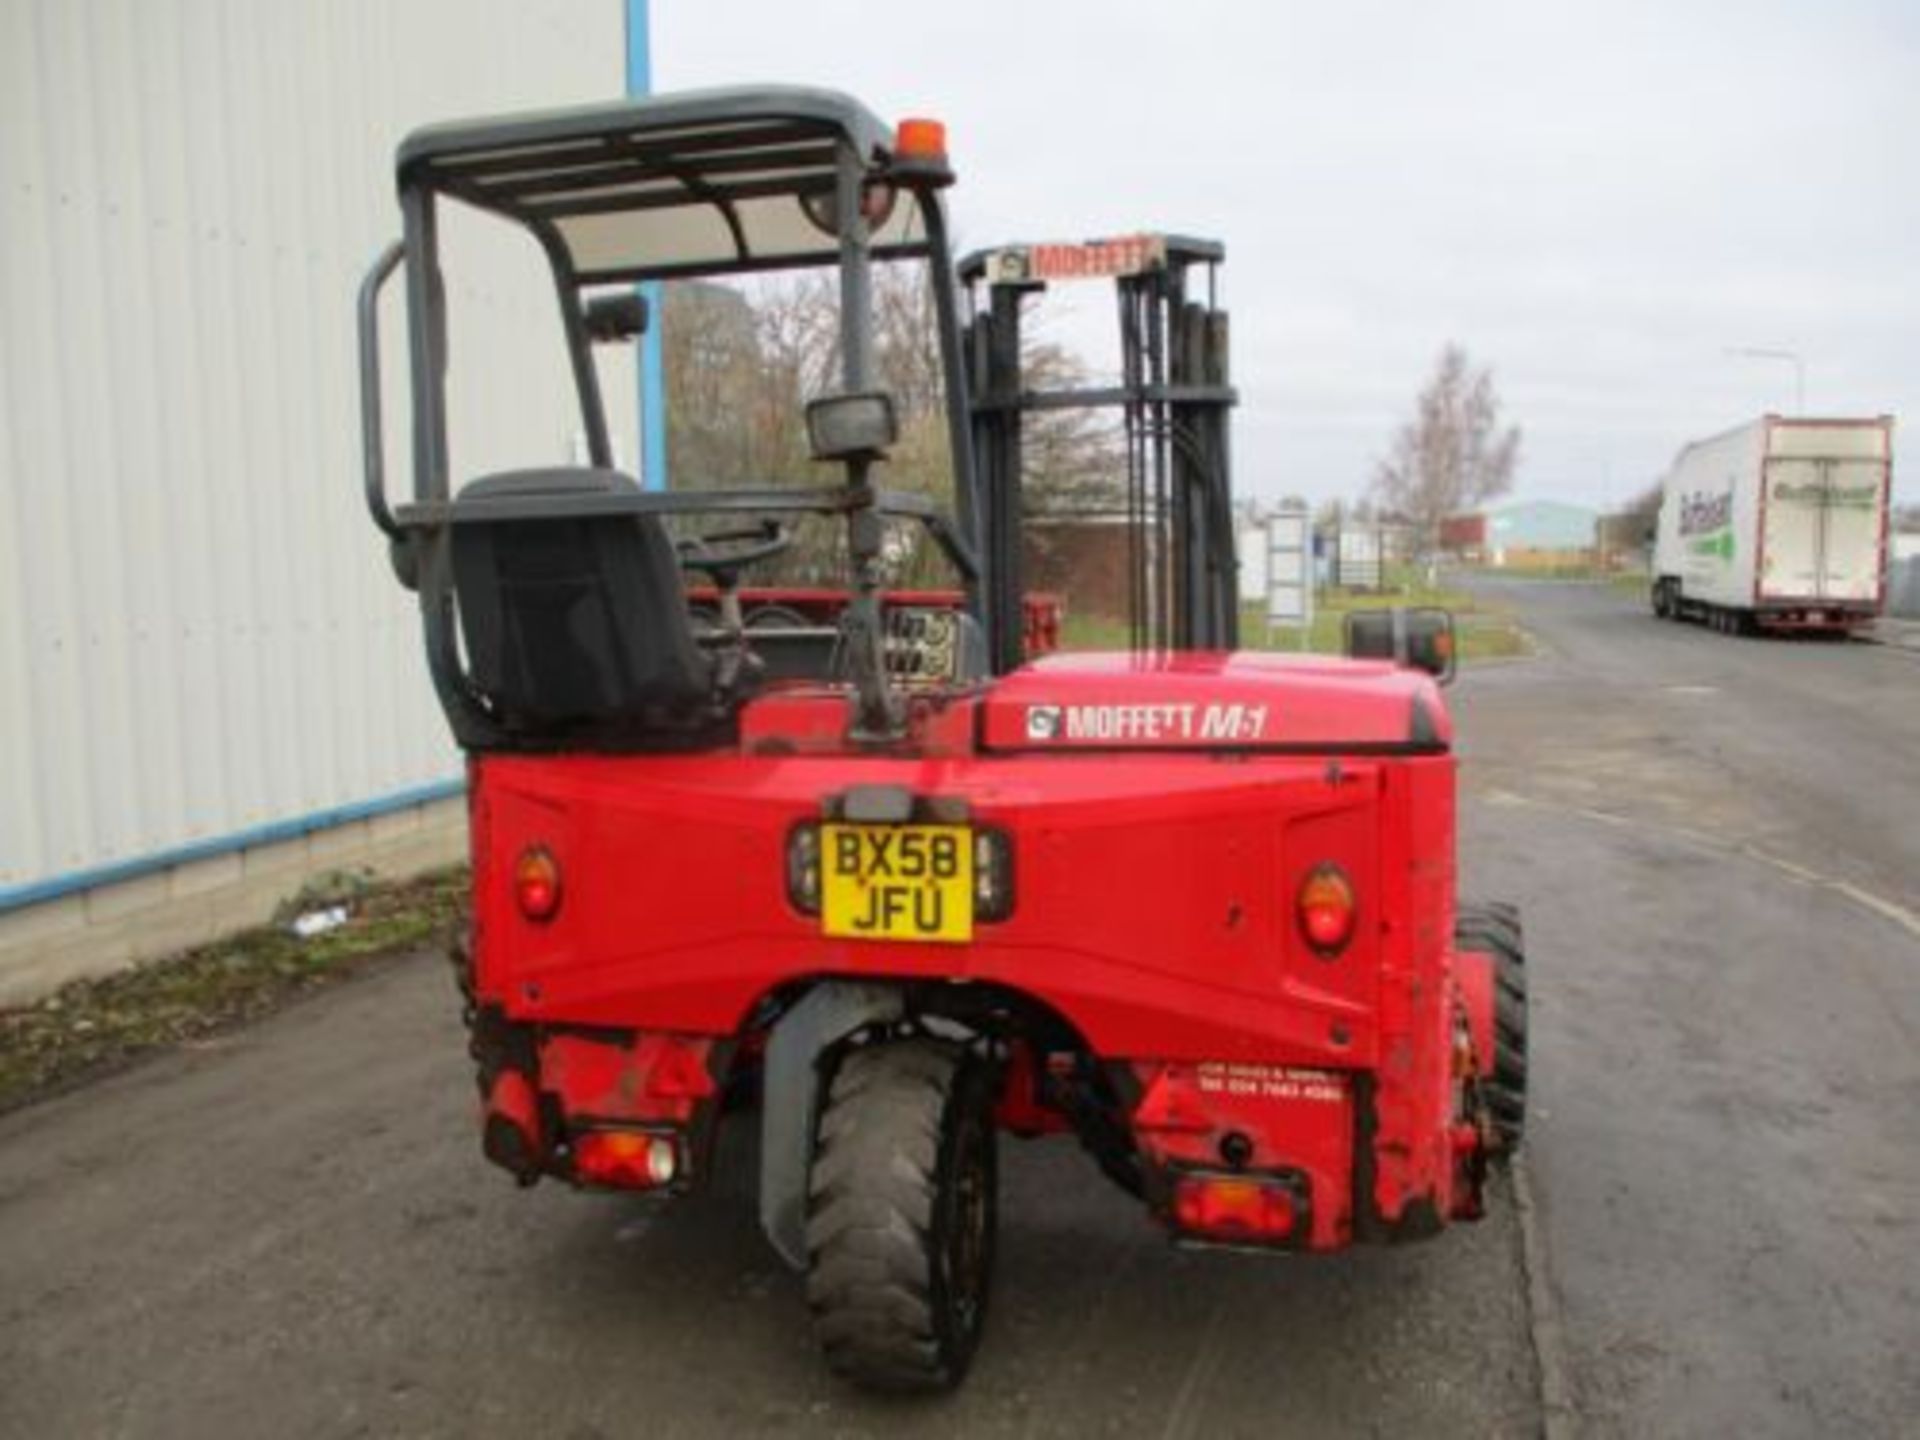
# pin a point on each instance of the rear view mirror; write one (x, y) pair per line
(1421, 639)
(613, 318)
(851, 427)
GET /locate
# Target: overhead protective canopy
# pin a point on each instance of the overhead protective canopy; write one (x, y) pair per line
(702, 182)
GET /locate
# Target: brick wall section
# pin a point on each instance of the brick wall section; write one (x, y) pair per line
(1085, 564)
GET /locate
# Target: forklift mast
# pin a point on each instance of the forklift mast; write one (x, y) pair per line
(1174, 396)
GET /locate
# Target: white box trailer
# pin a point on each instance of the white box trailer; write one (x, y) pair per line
(1780, 524)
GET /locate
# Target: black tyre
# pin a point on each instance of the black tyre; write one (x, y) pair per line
(1662, 606)
(901, 1214)
(1494, 928)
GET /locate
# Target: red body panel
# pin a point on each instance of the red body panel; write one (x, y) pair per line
(1154, 887)
(1212, 701)
(1290, 1119)
(1158, 917)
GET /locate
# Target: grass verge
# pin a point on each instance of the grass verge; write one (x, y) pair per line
(1630, 582)
(90, 1027)
(1486, 629)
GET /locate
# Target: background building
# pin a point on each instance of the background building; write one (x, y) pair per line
(1523, 534)
(210, 685)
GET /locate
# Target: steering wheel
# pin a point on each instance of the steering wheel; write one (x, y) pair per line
(746, 546)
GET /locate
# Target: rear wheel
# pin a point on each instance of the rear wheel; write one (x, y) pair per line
(901, 1214)
(1494, 929)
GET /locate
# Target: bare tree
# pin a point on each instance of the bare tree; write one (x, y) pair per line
(1642, 512)
(742, 360)
(1625, 536)
(1072, 459)
(1454, 453)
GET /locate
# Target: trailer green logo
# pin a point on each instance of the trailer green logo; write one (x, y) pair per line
(1833, 497)
(1706, 521)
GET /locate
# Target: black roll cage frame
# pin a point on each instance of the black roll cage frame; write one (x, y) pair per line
(421, 531)
(720, 148)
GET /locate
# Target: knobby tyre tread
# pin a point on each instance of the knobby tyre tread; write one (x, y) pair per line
(904, 1140)
(1494, 928)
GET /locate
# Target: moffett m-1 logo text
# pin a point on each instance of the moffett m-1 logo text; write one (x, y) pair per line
(1225, 722)
(1043, 722)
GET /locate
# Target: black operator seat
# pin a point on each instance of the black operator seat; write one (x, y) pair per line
(578, 622)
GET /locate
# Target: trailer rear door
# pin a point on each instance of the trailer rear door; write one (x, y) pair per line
(1850, 559)
(1790, 565)
(1824, 513)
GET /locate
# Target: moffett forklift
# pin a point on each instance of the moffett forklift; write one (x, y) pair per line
(911, 884)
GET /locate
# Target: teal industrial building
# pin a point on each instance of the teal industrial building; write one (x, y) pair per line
(1524, 534)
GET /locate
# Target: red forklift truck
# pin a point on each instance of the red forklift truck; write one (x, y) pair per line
(885, 868)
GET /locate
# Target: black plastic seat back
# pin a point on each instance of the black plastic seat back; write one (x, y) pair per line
(578, 623)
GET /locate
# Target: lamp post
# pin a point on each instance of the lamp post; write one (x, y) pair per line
(1755, 352)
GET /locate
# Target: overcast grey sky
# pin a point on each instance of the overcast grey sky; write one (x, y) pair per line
(1597, 200)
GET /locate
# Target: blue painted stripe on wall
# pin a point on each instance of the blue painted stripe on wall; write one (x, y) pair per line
(653, 448)
(15, 897)
(653, 397)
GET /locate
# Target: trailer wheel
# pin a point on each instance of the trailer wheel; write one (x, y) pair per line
(901, 1204)
(1493, 928)
(1662, 606)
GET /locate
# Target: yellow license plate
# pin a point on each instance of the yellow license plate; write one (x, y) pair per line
(896, 882)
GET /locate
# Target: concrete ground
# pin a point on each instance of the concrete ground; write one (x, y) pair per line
(291, 1231)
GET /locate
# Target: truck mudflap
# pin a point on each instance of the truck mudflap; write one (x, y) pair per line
(790, 1099)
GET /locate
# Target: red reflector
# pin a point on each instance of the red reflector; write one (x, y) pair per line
(1234, 1207)
(536, 883)
(1327, 908)
(626, 1159)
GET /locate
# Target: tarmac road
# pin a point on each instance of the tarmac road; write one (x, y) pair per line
(292, 1234)
(1717, 842)
(291, 1231)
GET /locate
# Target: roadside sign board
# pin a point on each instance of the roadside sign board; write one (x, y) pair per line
(1357, 561)
(1289, 569)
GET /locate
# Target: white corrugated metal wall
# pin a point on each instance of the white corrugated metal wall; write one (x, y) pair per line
(199, 635)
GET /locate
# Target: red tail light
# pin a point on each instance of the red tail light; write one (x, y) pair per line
(626, 1159)
(1327, 909)
(1223, 1207)
(536, 883)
